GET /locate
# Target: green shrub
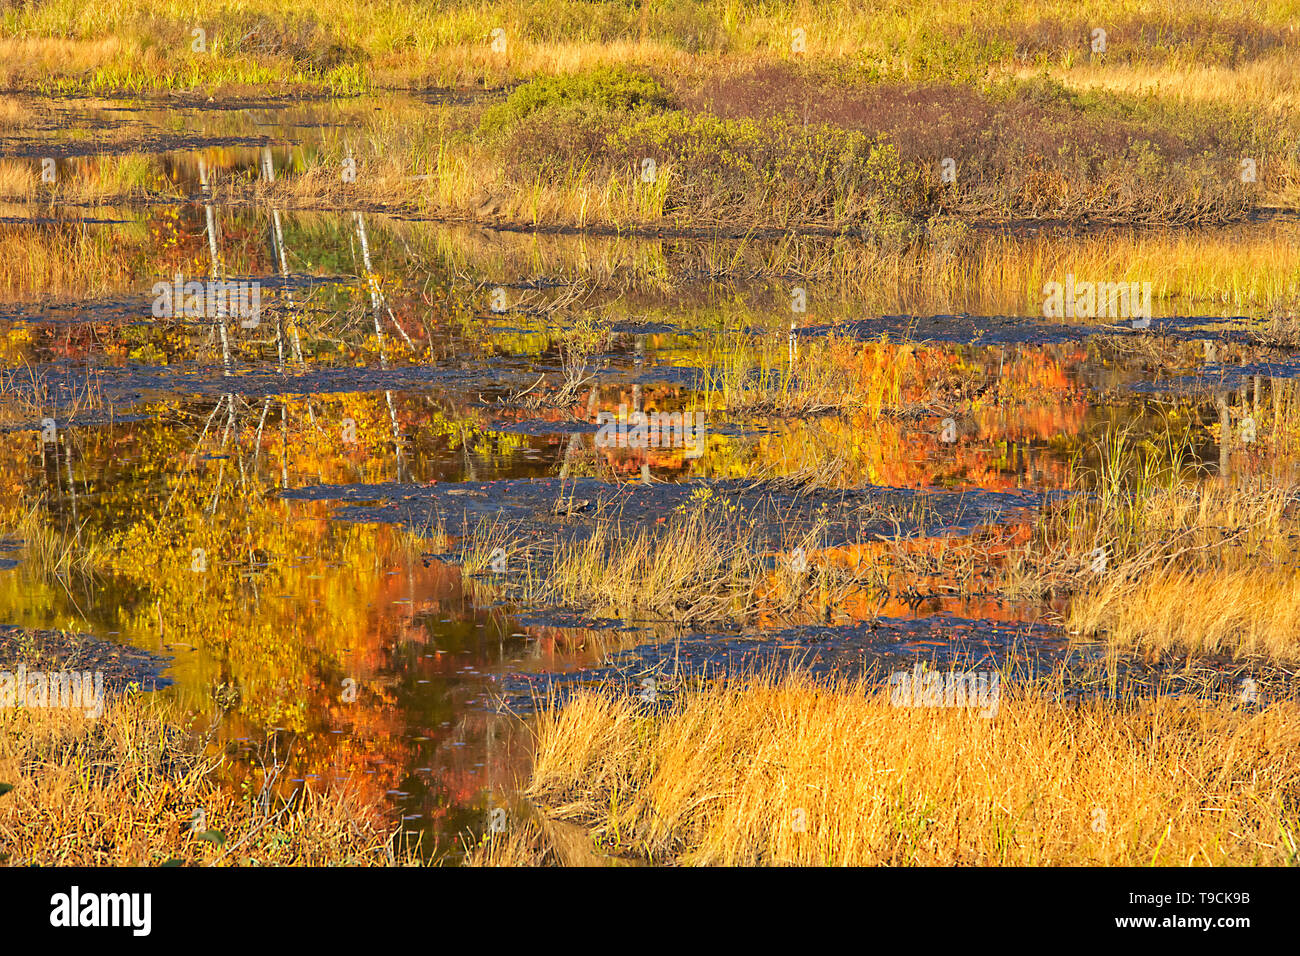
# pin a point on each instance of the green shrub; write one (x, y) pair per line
(603, 90)
(742, 156)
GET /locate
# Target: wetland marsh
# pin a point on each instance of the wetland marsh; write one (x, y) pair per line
(563, 453)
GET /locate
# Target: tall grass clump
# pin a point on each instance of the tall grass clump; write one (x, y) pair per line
(124, 790)
(783, 769)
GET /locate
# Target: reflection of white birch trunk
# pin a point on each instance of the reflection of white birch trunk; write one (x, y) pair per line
(225, 439)
(397, 433)
(376, 296)
(72, 485)
(278, 232)
(211, 216)
(282, 258)
(284, 443)
(257, 454)
(376, 304)
(1225, 435)
(287, 295)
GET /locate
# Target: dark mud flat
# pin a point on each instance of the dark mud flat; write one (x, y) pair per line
(572, 508)
(39, 148)
(646, 327)
(1251, 682)
(872, 649)
(54, 220)
(1216, 377)
(1022, 330)
(539, 427)
(85, 420)
(1022, 652)
(664, 375)
(74, 312)
(60, 650)
(129, 384)
(574, 620)
(268, 383)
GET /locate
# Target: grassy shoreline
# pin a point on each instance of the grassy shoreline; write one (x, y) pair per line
(336, 45)
(941, 267)
(133, 787)
(627, 148)
(788, 771)
(881, 131)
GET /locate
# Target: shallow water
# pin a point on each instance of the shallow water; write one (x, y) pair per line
(256, 506)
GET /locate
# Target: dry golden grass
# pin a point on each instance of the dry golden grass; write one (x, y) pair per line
(14, 113)
(461, 181)
(94, 179)
(61, 260)
(26, 58)
(704, 563)
(1269, 81)
(1202, 567)
(773, 375)
(1188, 269)
(123, 790)
(1160, 562)
(1146, 507)
(1252, 610)
(17, 179)
(48, 549)
(725, 776)
(688, 569)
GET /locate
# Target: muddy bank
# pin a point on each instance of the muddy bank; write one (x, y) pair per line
(1024, 654)
(50, 650)
(571, 509)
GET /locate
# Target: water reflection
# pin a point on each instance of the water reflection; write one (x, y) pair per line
(342, 650)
